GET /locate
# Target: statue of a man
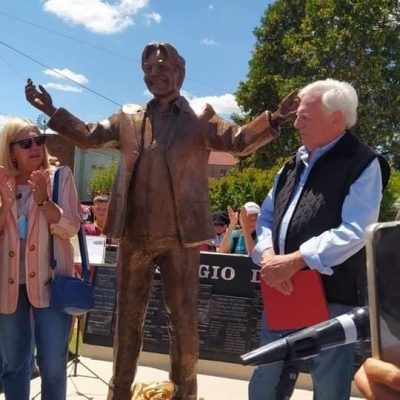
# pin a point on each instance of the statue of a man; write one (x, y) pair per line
(160, 206)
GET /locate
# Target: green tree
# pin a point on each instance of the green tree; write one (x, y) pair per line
(300, 41)
(391, 198)
(102, 179)
(239, 187)
(253, 184)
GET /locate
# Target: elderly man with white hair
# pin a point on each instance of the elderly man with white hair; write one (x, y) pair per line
(314, 217)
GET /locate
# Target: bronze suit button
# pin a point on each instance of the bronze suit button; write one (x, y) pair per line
(32, 247)
(11, 254)
(10, 280)
(32, 274)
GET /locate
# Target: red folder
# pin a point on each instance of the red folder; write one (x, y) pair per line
(304, 307)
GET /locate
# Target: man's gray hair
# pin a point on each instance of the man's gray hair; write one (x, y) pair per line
(335, 96)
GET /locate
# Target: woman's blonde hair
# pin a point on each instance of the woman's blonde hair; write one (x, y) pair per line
(8, 134)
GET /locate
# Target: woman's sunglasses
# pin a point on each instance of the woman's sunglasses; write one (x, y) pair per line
(28, 142)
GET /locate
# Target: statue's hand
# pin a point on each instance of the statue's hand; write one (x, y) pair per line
(39, 99)
(287, 109)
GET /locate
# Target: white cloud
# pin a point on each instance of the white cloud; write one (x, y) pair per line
(66, 73)
(4, 119)
(97, 16)
(152, 17)
(62, 87)
(225, 104)
(211, 7)
(209, 42)
(147, 93)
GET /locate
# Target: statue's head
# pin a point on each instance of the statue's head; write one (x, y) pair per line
(164, 70)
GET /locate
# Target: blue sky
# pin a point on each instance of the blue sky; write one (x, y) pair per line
(99, 44)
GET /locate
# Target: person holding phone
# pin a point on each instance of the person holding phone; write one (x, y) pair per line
(378, 380)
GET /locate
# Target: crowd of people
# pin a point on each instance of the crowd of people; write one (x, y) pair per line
(304, 221)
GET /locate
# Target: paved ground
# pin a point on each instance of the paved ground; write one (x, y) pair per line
(86, 386)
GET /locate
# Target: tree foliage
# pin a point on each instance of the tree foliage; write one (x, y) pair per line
(300, 41)
(253, 184)
(101, 181)
(239, 187)
(391, 198)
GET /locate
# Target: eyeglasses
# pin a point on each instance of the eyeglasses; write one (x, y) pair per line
(28, 142)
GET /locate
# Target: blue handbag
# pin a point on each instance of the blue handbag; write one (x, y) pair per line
(70, 295)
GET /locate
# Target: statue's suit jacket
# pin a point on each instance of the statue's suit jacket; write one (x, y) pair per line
(187, 156)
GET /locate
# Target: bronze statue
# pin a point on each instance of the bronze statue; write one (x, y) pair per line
(160, 206)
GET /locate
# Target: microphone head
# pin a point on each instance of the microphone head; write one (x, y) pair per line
(270, 353)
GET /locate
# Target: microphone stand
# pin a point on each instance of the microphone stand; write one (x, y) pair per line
(291, 366)
(287, 381)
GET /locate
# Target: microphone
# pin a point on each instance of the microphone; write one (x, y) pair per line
(309, 342)
(19, 196)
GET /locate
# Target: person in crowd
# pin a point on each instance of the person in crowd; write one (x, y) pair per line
(220, 222)
(95, 228)
(161, 220)
(378, 380)
(100, 204)
(27, 218)
(315, 216)
(242, 240)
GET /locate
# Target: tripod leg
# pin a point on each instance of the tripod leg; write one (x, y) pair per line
(76, 350)
(75, 361)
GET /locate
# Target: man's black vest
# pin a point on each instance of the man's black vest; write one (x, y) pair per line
(319, 209)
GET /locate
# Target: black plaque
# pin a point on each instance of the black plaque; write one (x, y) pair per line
(229, 302)
(228, 284)
(229, 325)
(100, 322)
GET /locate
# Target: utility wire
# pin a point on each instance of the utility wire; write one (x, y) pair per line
(69, 37)
(113, 53)
(11, 67)
(57, 72)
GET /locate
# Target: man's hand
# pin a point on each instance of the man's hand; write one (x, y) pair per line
(287, 109)
(285, 287)
(40, 100)
(378, 380)
(279, 269)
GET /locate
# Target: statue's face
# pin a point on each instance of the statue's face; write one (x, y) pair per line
(161, 76)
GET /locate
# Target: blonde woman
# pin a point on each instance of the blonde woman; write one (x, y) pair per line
(27, 218)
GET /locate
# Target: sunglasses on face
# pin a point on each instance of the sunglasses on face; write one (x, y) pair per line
(28, 142)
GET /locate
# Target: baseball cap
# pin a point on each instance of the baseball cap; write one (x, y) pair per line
(252, 208)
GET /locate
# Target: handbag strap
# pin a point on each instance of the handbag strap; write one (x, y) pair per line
(81, 235)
